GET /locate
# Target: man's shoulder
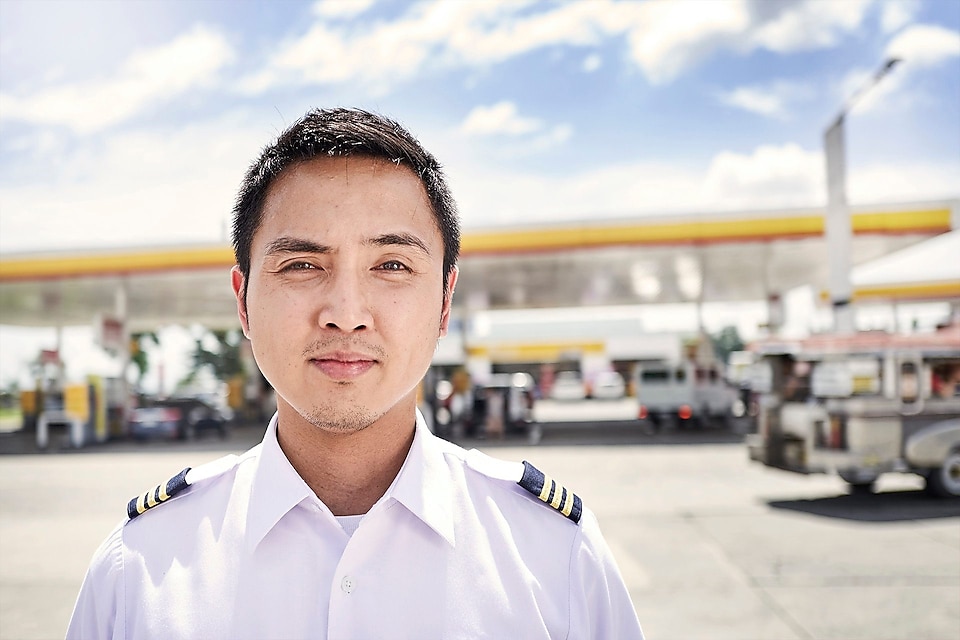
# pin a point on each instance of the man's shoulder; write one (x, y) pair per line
(191, 487)
(525, 485)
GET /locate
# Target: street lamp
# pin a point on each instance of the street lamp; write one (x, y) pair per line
(837, 226)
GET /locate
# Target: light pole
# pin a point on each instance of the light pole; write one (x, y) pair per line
(837, 228)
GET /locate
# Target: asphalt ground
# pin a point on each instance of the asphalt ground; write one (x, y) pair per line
(710, 544)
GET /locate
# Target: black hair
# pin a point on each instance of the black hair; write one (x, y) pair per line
(335, 133)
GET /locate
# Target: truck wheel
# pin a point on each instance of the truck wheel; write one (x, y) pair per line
(703, 420)
(860, 484)
(860, 488)
(945, 481)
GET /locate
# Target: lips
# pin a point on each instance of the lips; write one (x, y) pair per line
(343, 366)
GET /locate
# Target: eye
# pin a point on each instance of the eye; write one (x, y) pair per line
(298, 266)
(393, 265)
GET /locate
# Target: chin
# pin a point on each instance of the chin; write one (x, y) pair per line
(343, 416)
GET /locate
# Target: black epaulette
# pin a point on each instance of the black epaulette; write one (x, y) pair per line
(158, 495)
(551, 493)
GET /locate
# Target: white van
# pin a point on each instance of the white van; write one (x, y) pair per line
(684, 394)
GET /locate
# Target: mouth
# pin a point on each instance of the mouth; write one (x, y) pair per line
(343, 366)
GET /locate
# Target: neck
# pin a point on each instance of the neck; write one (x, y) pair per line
(349, 472)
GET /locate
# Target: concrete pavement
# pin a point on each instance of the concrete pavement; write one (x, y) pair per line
(710, 545)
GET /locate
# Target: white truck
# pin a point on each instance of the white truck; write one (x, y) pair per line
(861, 406)
(685, 394)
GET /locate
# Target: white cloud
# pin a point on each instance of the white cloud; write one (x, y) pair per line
(664, 39)
(591, 63)
(491, 196)
(859, 88)
(805, 26)
(341, 8)
(147, 77)
(557, 135)
(756, 100)
(771, 176)
(139, 188)
(499, 118)
(509, 30)
(904, 182)
(772, 100)
(918, 47)
(667, 38)
(925, 45)
(895, 14)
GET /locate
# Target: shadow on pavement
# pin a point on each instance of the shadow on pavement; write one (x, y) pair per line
(891, 506)
(240, 438)
(607, 433)
(243, 436)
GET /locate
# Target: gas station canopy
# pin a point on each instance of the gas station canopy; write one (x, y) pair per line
(730, 257)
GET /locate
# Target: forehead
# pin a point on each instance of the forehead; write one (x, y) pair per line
(342, 180)
(366, 191)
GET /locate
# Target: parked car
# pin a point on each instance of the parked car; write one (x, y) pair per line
(181, 418)
(148, 423)
(608, 385)
(568, 385)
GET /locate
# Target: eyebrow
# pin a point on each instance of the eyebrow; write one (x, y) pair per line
(401, 239)
(296, 245)
(288, 244)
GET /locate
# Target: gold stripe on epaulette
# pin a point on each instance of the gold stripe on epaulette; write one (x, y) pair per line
(547, 487)
(567, 504)
(158, 495)
(554, 495)
(557, 495)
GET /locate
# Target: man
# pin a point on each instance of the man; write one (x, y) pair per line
(350, 519)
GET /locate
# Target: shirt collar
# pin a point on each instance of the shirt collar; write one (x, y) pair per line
(277, 487)
(422, 486)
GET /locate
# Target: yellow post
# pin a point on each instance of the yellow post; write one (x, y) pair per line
(76, 401)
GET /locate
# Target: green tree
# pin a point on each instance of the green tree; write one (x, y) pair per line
(221, 357)
(138, 354)
(726, 341)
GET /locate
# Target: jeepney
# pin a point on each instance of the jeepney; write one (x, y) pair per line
(860, 406)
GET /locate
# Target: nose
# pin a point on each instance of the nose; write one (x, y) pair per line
(345, 306)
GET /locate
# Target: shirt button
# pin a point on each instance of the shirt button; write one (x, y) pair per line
(347, 584)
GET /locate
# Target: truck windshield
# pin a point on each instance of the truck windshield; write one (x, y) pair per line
(654, 375)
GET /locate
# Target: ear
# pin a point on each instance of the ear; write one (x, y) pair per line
(239, 290)
(448, 300)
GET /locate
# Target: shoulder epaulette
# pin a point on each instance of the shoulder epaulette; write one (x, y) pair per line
(178, 483)
(551, 493)
(160, 494)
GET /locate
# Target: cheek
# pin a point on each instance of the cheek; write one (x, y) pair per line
(412, 320)
(273, 305)
(272, 321)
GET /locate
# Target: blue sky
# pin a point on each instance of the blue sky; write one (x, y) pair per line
(130, 123)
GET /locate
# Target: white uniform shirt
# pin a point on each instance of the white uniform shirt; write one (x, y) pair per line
(454, 549)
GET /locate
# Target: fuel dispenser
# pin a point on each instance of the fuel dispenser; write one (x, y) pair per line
(78, 412)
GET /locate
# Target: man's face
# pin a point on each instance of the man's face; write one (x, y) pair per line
(345, 301)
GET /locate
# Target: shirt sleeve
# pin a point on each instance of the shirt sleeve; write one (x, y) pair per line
(600, 605)
(96, 614)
